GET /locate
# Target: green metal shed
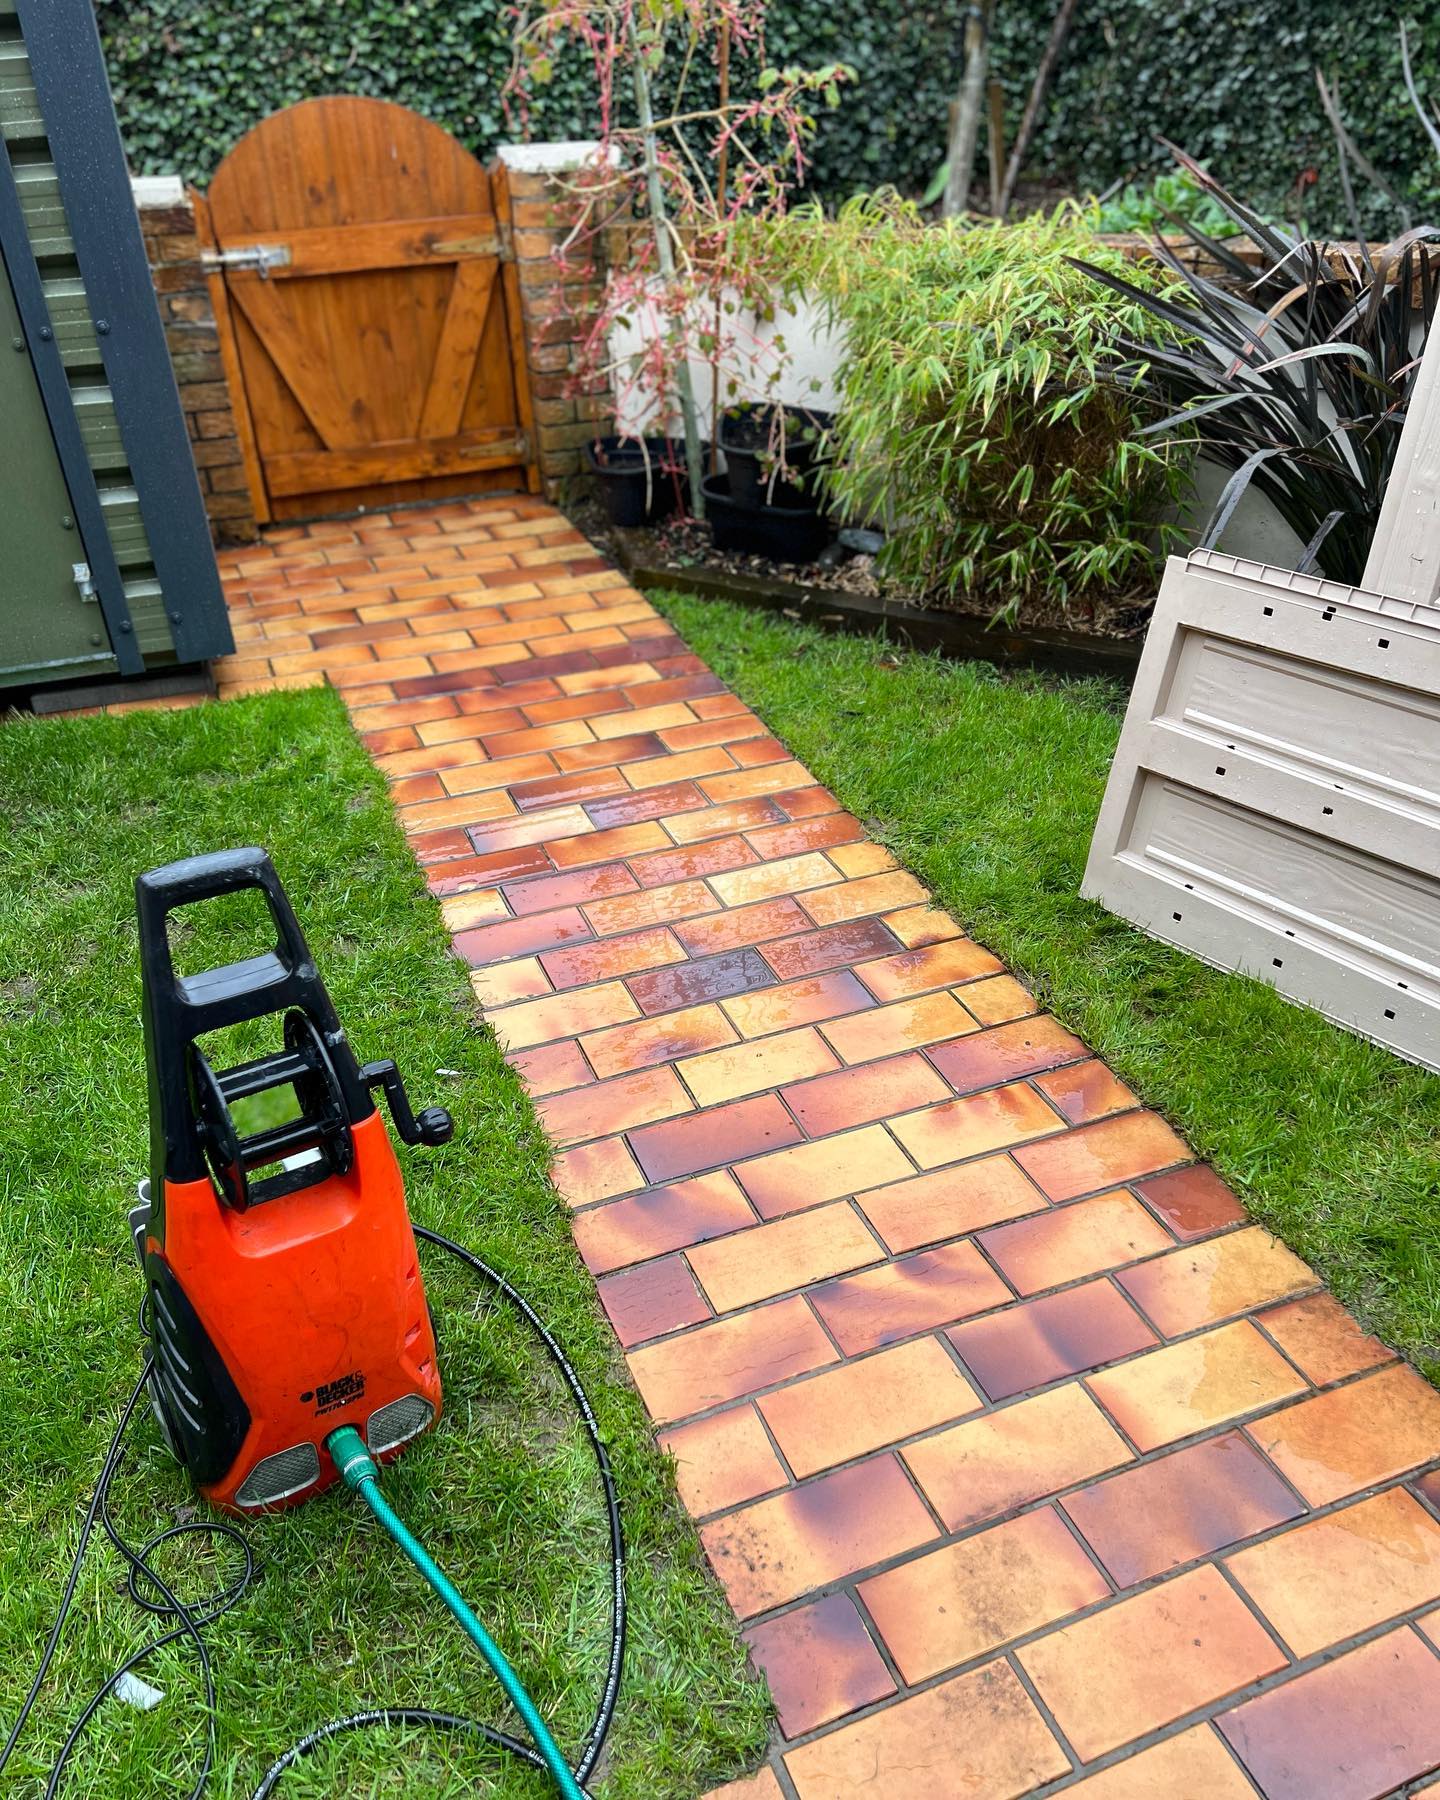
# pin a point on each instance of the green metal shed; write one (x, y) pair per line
(106, 564)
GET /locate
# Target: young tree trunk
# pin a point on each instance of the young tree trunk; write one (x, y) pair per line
(722, 175)
(965, 128)
(996, 93)
(1051, 56)
(665, 261)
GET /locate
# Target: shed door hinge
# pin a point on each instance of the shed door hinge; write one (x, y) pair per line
(84, 582)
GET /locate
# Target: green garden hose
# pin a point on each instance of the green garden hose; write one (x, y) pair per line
(151, 1593)
(149, 1590)
(359, 1473)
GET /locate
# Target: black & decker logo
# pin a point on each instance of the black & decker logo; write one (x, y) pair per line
(339, 1392)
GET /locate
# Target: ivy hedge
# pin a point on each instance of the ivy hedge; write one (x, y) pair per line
(1232, 83)
(190, 76)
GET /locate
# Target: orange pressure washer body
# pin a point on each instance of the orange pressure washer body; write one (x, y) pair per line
(283, 1290)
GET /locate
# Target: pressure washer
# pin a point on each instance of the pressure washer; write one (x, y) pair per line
(288, 1342)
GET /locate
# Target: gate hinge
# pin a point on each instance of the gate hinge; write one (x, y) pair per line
(507, 240)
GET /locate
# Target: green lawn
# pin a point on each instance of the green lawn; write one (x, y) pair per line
(987, 786)
(505, 1493)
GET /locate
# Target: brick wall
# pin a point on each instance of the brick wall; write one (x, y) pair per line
(167, 224)
(557, 305)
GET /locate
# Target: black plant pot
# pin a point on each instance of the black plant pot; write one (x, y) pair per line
(631, 493)
(786, 534)
(747, 434)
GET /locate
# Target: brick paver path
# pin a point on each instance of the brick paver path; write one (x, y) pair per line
(1029, 1465)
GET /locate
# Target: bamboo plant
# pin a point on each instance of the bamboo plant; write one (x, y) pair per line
(976, 422)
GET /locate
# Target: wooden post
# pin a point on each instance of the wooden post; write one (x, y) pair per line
(1404, 558)
(996, 95)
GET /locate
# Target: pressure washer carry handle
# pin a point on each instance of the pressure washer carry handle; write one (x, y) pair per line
(181, 1009)
(190, 1102)
(285, 976)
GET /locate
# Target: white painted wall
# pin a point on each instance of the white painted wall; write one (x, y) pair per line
(807, 374)
(1256, 529)
(157, 190)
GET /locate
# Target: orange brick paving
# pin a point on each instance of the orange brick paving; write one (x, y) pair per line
(1029, 1465)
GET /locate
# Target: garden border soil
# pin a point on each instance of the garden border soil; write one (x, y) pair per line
(963, 636)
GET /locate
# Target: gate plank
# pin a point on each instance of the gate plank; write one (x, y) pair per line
(230, 362)
(307, 372)
(459, 342)
(342, 249)
(315, 471)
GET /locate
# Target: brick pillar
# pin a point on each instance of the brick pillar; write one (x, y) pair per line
(167, 224)
(557, 304)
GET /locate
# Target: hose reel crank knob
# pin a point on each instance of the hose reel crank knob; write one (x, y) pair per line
(435, 1125)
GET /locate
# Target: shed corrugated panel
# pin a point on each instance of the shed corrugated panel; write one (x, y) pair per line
(19, 108)
(44, 211)
(127, 531)
(147, 611)
(50, 239)
(70, 315)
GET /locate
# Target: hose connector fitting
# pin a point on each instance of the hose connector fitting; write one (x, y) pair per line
(353, 1462)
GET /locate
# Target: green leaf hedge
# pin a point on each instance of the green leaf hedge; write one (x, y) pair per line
(1231, 82)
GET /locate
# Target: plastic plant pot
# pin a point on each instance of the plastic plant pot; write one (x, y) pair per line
(631, 492)
(749, 436)
(785, 534)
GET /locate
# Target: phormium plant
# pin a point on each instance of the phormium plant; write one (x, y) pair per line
(976, 418)
(1294, 374)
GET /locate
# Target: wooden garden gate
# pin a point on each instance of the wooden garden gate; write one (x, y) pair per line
(368, 311)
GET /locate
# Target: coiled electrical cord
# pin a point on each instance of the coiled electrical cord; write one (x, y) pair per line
(192, 1617)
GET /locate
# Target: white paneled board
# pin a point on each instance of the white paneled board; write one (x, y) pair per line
(1274, 804)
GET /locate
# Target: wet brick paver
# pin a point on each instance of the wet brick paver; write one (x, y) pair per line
(1030, 1466)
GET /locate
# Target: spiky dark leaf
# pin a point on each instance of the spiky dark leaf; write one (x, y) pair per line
(1293, 373)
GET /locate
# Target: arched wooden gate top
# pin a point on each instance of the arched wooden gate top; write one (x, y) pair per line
(344, 160)
(368, 311)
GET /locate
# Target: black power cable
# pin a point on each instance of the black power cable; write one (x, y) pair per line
(191, 1618)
